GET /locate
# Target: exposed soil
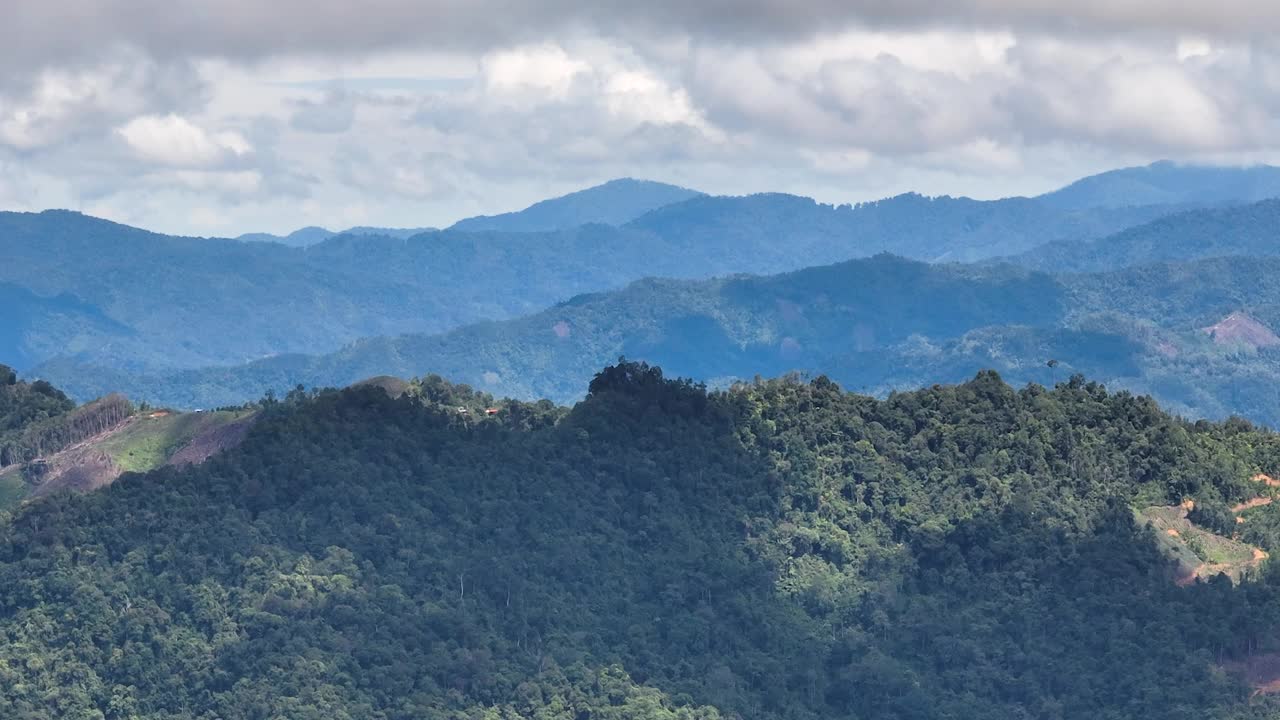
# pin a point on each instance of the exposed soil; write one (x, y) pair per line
(1255, 502)
(205, 444)
(1262, 672)
(85, 466)
(81, 467)
(1264, 478)
(1240, 329)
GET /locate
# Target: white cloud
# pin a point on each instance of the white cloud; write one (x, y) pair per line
(531, 73)
(419, 118)
(174, 140)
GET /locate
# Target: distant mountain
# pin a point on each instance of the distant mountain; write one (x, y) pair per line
(877, 324)
(706, 329)
(613, 203)
(309, 236)
(191, 302)
(765, 233)
(1168, 183)
(1191, 235)
(36, 327)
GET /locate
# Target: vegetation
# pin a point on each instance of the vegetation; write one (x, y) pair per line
(778, 550)
(1168, 183)
(152, 439)
(1248, 230)
(86, 289)
(877, 325)
(616, 202)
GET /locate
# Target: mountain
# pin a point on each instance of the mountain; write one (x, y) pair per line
(298, 238)
(616, 202)
(36, 327)
(878, 324)
(730, 327)
(781, 550)
(171, 302)
(1190, 235)
(309, 236)
(186, 302)
(765, 233)
(1168, 183)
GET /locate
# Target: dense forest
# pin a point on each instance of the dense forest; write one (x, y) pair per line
(779, 549)
(877, 325)
(37, 419)
(24, 406)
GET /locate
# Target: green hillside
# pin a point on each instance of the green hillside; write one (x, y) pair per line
(48, 444)
(780, 550)
(879, 324)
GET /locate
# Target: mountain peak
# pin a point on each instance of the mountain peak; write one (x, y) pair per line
(615, 202)
(1168, 182)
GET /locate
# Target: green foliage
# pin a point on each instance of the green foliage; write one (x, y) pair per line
(777, 550)
(1215, 517)
(22, 407)
(876, 325)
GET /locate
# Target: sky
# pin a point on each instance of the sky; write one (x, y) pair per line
(218, 118)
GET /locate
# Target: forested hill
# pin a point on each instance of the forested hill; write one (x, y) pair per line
(781, 550)
(1246, 231)
(308, 236)
(707, 329)
(761, 233)
(616, 202)
(149, 301)
(876, 324)
(1168, 183)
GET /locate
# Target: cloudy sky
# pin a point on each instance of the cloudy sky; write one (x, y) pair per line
(220, 117)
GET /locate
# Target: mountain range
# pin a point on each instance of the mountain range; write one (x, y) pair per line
(228, 320)
(1021, 504)
(222, 302)
(877, 325)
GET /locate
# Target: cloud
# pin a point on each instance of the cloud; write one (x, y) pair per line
(36, 34)
(335, 113)
(175, 141)
(269, 116)
(56, 104)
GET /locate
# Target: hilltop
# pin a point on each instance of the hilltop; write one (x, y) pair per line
(616, 202)
(1169, 183)
(312, 235)
(48, 444)
(779, 550)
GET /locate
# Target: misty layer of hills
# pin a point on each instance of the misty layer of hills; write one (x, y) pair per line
(530, 303)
